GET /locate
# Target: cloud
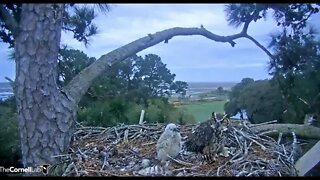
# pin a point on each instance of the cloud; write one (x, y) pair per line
(220, 65)
(188, 56)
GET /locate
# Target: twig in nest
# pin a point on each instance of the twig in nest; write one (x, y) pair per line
(235, 156)
(87, 135)
(105, 172)
(181, 169)
(83, 154)
(150, 143)
(104, 162)
(255, 172)
(279, 138)
(284, 149)
(79, 124)
(237, 160)
(68, 169)
(269, 122)
(125, 137)
(262, 146)
(267, 132)
(180, 162)
(246, 148)
(138, 135)
(218, 171)
(238, 141)
(116, 132)
(241, 173)
(61, 155)
(76, 170)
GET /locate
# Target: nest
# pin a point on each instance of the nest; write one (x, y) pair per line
(130, 150)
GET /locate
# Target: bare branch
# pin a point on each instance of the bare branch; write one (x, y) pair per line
(9, 20)
(8, 79)
(11, 81)
(260, 46)
(80, 84)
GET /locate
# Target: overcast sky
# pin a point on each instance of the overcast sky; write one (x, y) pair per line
(191, 58)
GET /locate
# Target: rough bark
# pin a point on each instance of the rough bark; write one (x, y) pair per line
(45, 115)
(303, 131)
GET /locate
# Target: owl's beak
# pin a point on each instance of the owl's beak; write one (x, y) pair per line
(175, 129)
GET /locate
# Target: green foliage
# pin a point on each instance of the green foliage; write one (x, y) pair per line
(137, 79)
(154, 75)
(181, 116)
(80, 23)
(234, 106)
(5, 35)
(111, 113)
(296, 69)
(180, 87)
(261, 100)
(295, 66)
(293, 15)
(159, 110)
(9, 135)
(77, 18)
(70, 63)
(125, 88)
(237, 14)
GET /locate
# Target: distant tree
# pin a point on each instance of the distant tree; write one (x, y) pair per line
(179, 87)
(137, 79)
(70, 63)
(220, 90)
(154, 75)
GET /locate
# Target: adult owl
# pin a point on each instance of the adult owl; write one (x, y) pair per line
(208, 138)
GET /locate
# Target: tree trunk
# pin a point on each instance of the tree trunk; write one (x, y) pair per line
(303, 131)
(45, 115)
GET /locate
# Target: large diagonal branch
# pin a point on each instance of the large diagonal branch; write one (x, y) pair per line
(260, 46)
(80, 83)
(9, 20)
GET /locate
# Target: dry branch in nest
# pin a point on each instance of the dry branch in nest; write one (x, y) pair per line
(130, 150)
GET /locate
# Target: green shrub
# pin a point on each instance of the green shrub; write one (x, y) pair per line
(118, 110)
(132, 113)
(9, 137)
(97, 114)
(181, 116)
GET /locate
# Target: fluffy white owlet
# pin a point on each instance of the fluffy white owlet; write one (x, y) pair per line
(169, 143)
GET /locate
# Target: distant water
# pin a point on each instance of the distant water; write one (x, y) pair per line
(5, 90)
(194, 87)
(200, 87)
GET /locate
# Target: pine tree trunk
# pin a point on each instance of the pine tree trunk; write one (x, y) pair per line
(46, 116)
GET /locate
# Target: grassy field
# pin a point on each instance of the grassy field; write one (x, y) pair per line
(202, 110)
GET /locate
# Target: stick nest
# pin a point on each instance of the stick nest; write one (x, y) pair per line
(130, 150)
